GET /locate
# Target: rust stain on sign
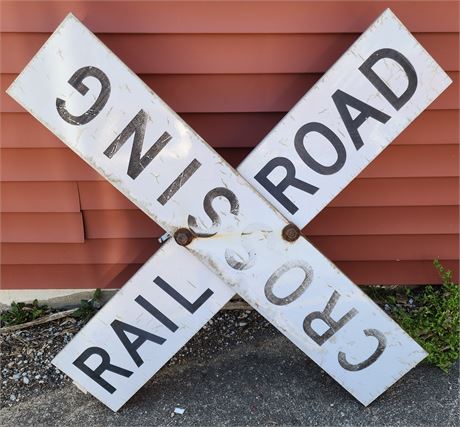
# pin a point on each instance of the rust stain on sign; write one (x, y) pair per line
(237, 234)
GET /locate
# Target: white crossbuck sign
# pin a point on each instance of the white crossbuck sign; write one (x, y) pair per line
(227, 237)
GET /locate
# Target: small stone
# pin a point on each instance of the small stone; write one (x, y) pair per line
(16, 376)
(13, 397)
(25, 380)
(37, 377)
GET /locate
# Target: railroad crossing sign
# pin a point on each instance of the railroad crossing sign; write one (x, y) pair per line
(227, 237)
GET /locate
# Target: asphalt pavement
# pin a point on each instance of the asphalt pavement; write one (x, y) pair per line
(241, 371)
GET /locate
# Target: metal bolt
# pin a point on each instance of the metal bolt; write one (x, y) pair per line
(183, 236)
(291, 233)
(164, 238)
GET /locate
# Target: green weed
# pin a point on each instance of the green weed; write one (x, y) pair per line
(88, 308)
(429, 314)
(20, 312)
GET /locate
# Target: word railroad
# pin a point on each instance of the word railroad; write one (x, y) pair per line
(227, 237)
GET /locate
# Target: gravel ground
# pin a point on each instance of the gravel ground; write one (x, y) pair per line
(240, 371)
(26, 359)
(26, 354)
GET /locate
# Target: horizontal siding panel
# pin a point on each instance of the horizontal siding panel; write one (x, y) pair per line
(51, 164)
(399, 192)
(100, 195)
(61, 164)
(92, 251)
(396, 272)
(138, 251)
(119, 224)
(388, 248)
(231, 68)
(228, 93)
(108, 276)
(85, 276)
(385, 220)
(435, 126)
(39, 197)
(21, 130)
(42, 227)
(227, 16)
(112, 224)
(415, 161)
(224, 54)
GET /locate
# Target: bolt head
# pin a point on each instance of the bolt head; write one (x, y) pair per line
(291, 233)
(183, 236)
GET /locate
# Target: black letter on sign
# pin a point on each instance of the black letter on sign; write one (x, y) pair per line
(341, 100)
(76, 81)
(105, 365)
(137, 126)
(191, 307)
(382, 342)
(157, 314)
(325, 316)
(142, 336)
(289, 180)
(210, 211)
(331, 137)
(179, 182)
(366, 68)
(308, 272)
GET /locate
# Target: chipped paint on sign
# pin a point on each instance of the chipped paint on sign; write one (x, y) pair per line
(365, 100)
(180, 182)
(143, 304)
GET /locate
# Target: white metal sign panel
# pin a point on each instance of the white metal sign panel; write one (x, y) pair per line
(248, 236)
(158, 310)
(370, 95)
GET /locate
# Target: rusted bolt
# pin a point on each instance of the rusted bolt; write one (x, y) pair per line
(291, 233)
(183, 236)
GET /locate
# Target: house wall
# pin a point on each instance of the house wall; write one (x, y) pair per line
(231, 70)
